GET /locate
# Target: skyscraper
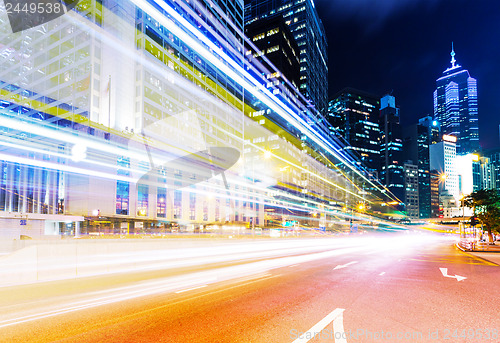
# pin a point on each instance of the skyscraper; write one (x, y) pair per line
(275, 44)
(391, 147)
(416, 149)
(494, 156)
(442, 159)
(353, 114)
(455, 106)
(443, 164)
(433, 129)
(309, 33)
(412, 198)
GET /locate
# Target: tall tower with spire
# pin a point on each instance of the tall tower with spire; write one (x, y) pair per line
(455, 106)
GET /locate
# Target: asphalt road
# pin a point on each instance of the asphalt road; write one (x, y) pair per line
(406, 288)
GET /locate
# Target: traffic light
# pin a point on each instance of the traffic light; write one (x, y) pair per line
(474, 221)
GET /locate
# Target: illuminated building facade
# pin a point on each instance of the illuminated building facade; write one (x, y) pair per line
(436, 209)
(391, 147)
(106, 80)
(416, 149)
(433, 129)
(443, 160)
(494, 157)
(412, 198)
(309, 34)
(456, 108)
(275, 43)
(354, 115)
(109, 113)
(474, 173)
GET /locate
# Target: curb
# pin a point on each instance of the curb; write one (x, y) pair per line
(459, 247)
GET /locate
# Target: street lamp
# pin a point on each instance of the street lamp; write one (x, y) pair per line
(443, 177)
(462, 203)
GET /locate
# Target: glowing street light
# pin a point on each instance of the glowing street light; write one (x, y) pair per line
(443, 177)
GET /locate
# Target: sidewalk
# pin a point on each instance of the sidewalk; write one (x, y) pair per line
(481, 250)
(467, 245)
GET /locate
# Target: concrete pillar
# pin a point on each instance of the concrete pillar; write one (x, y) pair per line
(77, 229)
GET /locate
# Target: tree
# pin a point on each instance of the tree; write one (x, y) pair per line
(486, 206)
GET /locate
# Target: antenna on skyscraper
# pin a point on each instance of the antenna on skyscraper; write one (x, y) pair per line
(452, 56)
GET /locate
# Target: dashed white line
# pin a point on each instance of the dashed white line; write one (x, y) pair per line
(381, 273)
(340, 266)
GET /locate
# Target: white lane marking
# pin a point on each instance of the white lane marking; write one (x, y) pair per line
(293, 265)
(444, 271)
(190, 289)
(381, 273)
(340, 266)
(338, 329)
(312, 332)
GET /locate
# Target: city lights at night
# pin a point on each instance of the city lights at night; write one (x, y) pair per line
(249, 171)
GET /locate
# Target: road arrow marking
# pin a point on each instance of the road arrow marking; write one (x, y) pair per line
(340, 266)
(444, 271)
(338, 329)
(313, 332)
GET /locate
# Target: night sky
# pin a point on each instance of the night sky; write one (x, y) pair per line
(403, 46)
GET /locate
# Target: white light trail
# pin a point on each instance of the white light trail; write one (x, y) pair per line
(269, 99)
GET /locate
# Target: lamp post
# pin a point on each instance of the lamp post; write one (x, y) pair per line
(462, 203)
(462, 227)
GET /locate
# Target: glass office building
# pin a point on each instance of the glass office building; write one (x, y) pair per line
(354, 115)
(416, 143)
(456, 108)
(391, 147)
(132, 116)
(306, 26)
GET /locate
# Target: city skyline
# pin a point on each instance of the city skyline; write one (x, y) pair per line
(380, 49)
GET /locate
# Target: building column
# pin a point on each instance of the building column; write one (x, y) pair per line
(77, 229)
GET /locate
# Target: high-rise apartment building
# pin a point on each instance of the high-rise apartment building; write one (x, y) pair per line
(391, 147)
(309, 34)
(456, 108)
(354, 115)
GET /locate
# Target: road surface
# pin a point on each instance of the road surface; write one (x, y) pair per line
(386, 288)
